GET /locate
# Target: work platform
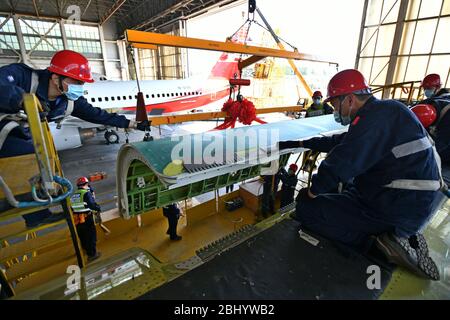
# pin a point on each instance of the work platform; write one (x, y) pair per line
(265, 260)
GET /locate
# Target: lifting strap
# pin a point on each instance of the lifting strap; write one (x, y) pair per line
(68, 112)
(14, 123)
(410, 148)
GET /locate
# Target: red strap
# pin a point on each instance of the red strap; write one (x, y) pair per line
(243, 111)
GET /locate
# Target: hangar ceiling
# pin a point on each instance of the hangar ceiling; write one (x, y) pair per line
(128, 14)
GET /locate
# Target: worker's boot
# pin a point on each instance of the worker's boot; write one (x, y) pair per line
(416, 259)
(95, 257)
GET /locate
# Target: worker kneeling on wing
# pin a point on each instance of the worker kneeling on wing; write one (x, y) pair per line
(83, 203)
(395, 174)
(434, 116)
(60, 90)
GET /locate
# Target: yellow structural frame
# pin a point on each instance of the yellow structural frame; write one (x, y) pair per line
(159, 120)
(136, 38)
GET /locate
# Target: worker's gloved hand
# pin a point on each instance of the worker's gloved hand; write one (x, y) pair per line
(303, 195)
(282, 145)
(143, 126)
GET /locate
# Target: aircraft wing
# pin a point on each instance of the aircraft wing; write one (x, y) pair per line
(208, 161)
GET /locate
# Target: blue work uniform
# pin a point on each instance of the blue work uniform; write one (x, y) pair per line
(172, 213)
(395, 176)
(440, 130)
(15, 80)
(287, 188)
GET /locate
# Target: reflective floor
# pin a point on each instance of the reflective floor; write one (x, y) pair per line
(405, 285)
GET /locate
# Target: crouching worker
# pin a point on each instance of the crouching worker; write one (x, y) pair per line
(395, 171)
(289, 180)
(83, 204)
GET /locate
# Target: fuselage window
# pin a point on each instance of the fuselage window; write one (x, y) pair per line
(130, 97)
(124, 97)
(92, 99)
(163, 95)
(99, 99)
(106, 99)
(158, 95)
(176, 94)
(135, 96)
(172, 94)
(113, 99)
(147, 96)
(118, 98)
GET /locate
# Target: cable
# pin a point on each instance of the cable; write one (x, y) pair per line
(28, 204)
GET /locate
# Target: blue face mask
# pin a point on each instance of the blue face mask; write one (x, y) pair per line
(316, 101)
(74, 91)
(428, 93)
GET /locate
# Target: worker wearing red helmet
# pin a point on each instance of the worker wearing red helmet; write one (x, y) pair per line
(388, 163)
(432, 86)
(60, 90)
(317, 108)
(289, 182)
(83, 204)
(433, 114)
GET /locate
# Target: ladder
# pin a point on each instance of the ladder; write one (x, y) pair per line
(29, 257)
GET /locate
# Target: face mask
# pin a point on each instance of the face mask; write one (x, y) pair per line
(339, 118)
(316, 101)
(74, 91)
(428, 93)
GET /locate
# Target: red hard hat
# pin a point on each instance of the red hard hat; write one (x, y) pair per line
(432, 80)
(426, 113)
(71, 64)
(82, 181)
(293, 167)
(317, 94)
(345, 82)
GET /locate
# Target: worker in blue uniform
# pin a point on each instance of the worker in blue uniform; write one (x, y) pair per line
(289, 182)
(172, 212)
(60, 90)
(395, 176)
(433, 114)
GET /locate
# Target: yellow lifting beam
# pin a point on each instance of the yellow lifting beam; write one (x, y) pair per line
(160, 120)
(149, 38)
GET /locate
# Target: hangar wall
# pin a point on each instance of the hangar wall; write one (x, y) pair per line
(33, 41)
(404, 40)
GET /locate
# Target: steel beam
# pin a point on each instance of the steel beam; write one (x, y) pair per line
(142, 37)
(396, 45)
(159, 120)
(111, 11)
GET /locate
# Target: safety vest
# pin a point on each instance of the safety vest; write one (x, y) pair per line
(315, 111)
(19, 119)
(79, 207)
(410, 148)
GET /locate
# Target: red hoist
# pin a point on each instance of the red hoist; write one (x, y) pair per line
(239, 108)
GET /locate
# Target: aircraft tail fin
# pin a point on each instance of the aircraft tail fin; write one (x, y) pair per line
(227, 66)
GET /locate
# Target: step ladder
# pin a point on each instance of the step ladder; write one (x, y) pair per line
(31, 256)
